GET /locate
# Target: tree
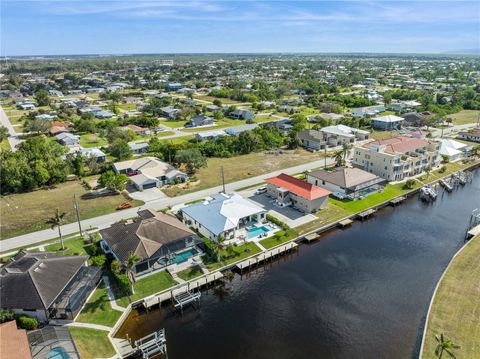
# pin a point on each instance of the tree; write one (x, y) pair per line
(116, 266)
(42, 98)
(192, 158)
(445, 345)
(56, 221)
(129, 265)
(293, 140)
(338, 158)
(38, 126)
(120, 149)
(217, 102)
(113, 182)
(3, 133)
(346, 148)
(409, 184)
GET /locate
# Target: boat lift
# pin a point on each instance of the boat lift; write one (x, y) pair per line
(153, 345)
(186, 298)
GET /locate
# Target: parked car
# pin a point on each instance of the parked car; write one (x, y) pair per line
(261, 190)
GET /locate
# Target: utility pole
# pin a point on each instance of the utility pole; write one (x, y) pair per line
(325, 150)
(223, 179)
(75, 205)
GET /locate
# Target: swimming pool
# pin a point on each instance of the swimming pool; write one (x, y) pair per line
(256, 231)
(183, 257)
(58, 353)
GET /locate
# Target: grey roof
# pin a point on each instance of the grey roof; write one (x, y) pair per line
(311, 135)
(34, 280)
(146, 235)
(242, 128)
(344, 177)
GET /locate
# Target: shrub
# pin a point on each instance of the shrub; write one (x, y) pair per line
(278, 222)
(26, 322)
(123, 284)
(6, 315)
(98, 261)
(409, 184)
(443, 169)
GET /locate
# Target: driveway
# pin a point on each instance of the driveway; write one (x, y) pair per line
(147, 195)
(292, 217)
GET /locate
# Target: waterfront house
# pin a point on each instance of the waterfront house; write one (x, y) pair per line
(291, 191)
(157, 239)
(397, 158)
(199, 120)
(454, 150)
(331, 136)
(347, 182)
(473, 135)
(388, 122)
(241, 115)
(226, 216)
(149, 172)
(45, 285)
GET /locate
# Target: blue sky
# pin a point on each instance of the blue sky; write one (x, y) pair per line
(127, 26)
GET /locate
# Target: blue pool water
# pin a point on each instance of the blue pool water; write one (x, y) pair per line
(182, 257)
(256, 231)
(58, 353)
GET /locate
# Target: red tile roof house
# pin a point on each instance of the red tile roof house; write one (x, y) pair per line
(304, 196)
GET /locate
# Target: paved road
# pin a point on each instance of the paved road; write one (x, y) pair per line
(452, 130)
(106, 220)
(13, 138)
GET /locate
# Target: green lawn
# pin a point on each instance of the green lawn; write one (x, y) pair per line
(92, 343)
(173, 123)
(177, 140)
(74, 246)
(27, 212)
(92, 140)
(4, 145)
(465, 116)
(279, 238)
(456, 306)
(190, 273)
(165, 133)
(382, 135)
(390, 192)
(98, 309)
(127, 106)
(239, 253)
(148, 286)
(225, 101)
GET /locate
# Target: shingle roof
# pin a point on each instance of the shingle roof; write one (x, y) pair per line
(399, 144)
(298, 187)
(34, 280)
(13, 342)
(145, 235)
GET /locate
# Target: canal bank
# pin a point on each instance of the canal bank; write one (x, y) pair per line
(361, 236)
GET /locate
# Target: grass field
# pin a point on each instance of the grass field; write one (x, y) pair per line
(27, 212)
(127, 106)
(98, 310)
(165, 133)
(225, 101)
(241, 167)
(382, 135)
(279, 238)
(456, 307)
(148, 286)
(4, 145)
(239, 253)
(465, 116)
(92, 343)
(92, 140)
(173, 123)
(190, 273)
(72, 246)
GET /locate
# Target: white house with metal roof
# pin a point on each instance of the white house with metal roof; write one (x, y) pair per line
(225, 216)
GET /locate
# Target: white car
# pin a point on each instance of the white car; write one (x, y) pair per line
(261, 190)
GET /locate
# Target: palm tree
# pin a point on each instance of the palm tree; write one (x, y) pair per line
(56, 221)
(338, 158)
(346, 148)
(129, 264)
(445, 345)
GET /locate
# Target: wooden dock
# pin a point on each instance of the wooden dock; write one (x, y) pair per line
(345, 223)
(264, 256)
(366, 214)
(311, 237)
(396, 201)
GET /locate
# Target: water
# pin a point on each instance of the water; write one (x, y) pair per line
(182, 257)
(256, 231)
(362, 292)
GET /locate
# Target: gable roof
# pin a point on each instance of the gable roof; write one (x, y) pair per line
(344, 177)
(145, 235)
(34, 280)
(388, 119)
(298, 187)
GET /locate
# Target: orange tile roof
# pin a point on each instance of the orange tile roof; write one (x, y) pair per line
(13, 342)
(399, 144)
(298, 187)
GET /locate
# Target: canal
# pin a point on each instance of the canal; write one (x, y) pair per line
(362, 292)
